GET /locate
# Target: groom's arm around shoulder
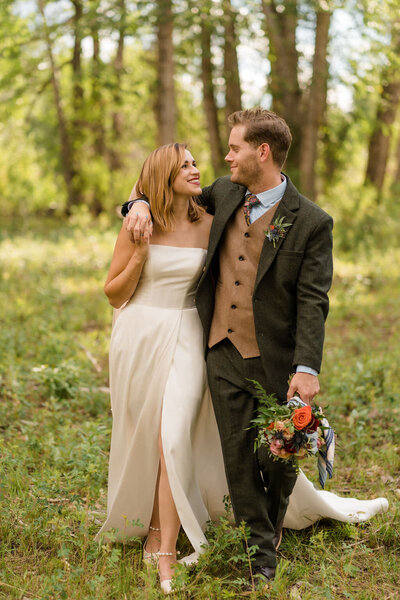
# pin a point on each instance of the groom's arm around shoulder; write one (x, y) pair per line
(211, 193)
(313, 284)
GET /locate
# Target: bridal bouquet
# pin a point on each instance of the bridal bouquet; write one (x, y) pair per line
(293, 431)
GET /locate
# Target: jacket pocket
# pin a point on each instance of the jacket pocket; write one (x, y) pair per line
(291, 253)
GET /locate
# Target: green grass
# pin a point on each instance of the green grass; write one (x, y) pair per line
(55, 427)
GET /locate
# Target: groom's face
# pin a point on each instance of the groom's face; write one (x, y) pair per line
(243, 158)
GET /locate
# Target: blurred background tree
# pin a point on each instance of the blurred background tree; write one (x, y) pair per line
(89, 87)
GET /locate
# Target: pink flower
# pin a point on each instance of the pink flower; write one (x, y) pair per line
(275, 446)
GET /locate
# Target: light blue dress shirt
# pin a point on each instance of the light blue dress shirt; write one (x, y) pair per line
(268, 199)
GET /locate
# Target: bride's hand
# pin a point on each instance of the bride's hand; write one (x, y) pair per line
(138, 223)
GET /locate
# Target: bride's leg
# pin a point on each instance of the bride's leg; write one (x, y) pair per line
(154, 535)
(169, 521)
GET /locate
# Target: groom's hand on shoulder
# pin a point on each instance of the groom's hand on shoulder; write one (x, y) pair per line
(138, 222)
(305, 385)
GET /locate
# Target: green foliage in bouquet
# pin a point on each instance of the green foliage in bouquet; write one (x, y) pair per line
(289, 431)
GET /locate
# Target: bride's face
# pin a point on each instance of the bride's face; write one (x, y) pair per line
(187, 182)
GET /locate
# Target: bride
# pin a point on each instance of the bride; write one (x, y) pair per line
(166, 468)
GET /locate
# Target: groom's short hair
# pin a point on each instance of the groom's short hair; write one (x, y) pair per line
(264, 127)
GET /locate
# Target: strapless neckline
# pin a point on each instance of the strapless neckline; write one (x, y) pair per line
(177, 247)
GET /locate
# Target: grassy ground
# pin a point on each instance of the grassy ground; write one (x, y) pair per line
(55, 431)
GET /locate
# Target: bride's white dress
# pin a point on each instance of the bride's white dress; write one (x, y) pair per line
(158, 376)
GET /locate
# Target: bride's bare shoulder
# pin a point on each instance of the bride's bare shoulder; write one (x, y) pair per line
(206, 219)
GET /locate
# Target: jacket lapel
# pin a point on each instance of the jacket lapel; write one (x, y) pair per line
(286, 209)
(224, 212)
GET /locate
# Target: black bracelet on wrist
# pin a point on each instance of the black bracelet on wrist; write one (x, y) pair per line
(126, 207)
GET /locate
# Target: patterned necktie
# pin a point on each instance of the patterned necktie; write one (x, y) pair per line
(249, 201)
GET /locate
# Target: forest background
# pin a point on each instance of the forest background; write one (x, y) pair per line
(87, 89)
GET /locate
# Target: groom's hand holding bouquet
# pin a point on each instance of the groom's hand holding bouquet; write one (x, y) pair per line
(293, 431)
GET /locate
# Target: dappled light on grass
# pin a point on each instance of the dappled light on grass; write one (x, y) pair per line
(55, 423)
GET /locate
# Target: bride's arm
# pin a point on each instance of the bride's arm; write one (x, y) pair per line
(125, 269)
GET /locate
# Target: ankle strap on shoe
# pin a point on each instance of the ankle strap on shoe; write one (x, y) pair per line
(167, 553)
(154, 528)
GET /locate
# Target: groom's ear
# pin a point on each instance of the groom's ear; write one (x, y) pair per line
(264, 151)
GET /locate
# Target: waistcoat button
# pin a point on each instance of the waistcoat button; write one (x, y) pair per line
(246, 234)
(233, 306)
(229, 330)
(237, 282)
(241, 257)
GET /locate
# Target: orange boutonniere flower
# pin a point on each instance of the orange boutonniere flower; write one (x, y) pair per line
(277, 230)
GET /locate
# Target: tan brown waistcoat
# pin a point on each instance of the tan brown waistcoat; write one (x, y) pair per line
(239, 256)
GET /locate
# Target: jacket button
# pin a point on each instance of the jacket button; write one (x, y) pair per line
(229, 330)
(241, 257)
(237, 282)
(233, 306)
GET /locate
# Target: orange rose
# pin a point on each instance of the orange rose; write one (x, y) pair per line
(302, 417)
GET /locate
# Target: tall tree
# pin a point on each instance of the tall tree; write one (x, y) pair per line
(68, 163)
(77, 88)
(233, 94)
(378, 151)
(301, 102)
(116, 160)
(315, 106)
(280, 26)
(396, 177)
(379, 144)
(209, 102)
(165, 104)
(95, 80)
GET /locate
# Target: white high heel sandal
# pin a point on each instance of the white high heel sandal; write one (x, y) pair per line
(190, 560)
(166, 584)
(150, 557)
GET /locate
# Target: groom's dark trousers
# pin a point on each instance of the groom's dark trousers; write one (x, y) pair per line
(247, 472)
(263, 308)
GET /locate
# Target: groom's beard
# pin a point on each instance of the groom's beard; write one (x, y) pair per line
(247, 173)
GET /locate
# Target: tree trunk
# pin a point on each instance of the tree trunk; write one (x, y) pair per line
(396, 178)
(116, 154)
(379, 145)
(97, 117)
(380, 140)
(67, 158)
(77, 90)
(97, 103)
(165, 107)
(315, 107)
(280, 27)
(210, 107)
(233, 94)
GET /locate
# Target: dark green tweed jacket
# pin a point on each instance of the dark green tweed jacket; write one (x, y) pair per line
(290, 301)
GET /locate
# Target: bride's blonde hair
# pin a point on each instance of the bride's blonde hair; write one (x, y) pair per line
(156, 179)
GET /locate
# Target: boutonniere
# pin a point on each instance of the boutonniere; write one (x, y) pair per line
(277, 230)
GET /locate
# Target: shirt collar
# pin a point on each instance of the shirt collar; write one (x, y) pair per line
(272, 196)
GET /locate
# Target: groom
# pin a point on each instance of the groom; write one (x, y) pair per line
(263, 301)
